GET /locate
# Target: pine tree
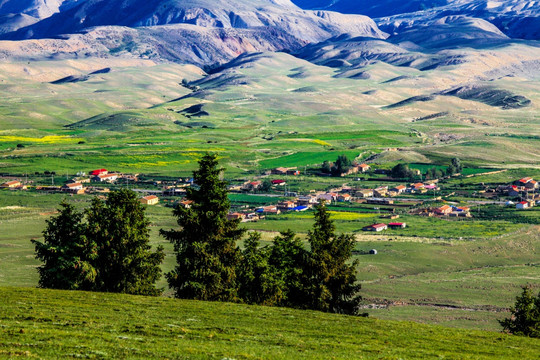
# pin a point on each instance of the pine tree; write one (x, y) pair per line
(66, 252)
(525, 319)
(205, 244)
(331, 281)
(120, 229)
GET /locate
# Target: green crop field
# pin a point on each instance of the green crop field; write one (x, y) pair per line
(51, 324)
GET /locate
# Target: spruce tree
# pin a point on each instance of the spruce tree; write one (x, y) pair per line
(258, 282)
(525, 319)
(120, 229)
(288, 260)
(205, 244)
(331, 280)
(66, 252)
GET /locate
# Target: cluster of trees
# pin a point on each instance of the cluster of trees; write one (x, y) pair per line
(402, 171)
(525, 319)
(106, 248)
(342, 165)
(210, 265)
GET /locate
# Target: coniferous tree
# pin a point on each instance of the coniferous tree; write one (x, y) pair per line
(331, 281)
(66, 252)
(120, 229)
(525, 319)
(288, 261)
(258, 282)
(205, 244)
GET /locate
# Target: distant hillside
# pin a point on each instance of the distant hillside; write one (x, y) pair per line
(59, 324)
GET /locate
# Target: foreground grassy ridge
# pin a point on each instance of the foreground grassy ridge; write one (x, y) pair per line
(59, 324)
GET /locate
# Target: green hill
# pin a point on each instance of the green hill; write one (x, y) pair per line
(39, 323)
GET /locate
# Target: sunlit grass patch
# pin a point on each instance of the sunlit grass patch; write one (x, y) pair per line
(49, 139)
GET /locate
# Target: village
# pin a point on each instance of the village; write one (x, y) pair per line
(389, 198)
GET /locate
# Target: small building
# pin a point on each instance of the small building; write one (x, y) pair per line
(105, 178)
(186, 204)
(72, 186)
(375, 227)
(399, 189)
(253, 185)
(150, 200)
(278, 182)
(522, 205)
(364, 193)
(286, 205)
(397, 225)
(300, 208)
(381, 191)
(11, 184)
(344, 197)
(272, 210)
(306, 200)
(236, 216)
(363, 168)
(443, 210)
(99, 172)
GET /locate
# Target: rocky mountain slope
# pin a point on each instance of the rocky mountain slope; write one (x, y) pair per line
(516, 18)
(239, 14)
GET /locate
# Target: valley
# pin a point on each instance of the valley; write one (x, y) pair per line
(146, 89)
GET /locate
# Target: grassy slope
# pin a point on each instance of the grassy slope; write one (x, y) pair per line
(60, 324)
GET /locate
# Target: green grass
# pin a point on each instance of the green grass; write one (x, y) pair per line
(52, 324)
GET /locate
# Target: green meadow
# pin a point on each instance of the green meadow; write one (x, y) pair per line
(50, 324)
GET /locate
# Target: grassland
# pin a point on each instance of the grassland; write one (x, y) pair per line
(51, 324)
(415, 276)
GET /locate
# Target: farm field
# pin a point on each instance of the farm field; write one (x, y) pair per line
(57, 324)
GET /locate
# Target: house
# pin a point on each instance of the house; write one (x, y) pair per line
(443, 210)
(150, 200)
(236, 216)
(278, 182)
(72, 186)
(399, 189)
(186, 203)
(11, 184)
(344, 197)
(328, 197)
(524, 181)
(105, 178)
(375, 227)
(417, 187)
(363, 168)
(269, 210)
(306, 200)
(531, 185)
(253, 185)
(286, 205)
(381, 191)
(397, 225)
(364, 193)
(522, 205)
(99, 172)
